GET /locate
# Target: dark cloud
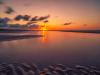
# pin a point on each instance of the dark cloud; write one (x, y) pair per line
(41, 18)
(34, 18)
(68, 23)
(18, 17)
(9, 10)
(46, 21)
(26, 17)
(1, 2)
(1, 20)
(44, 17)
(31, 23)
(23, 17)
(4, 20)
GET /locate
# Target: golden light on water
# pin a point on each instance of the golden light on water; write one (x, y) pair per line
(44, 29)
(43, 32)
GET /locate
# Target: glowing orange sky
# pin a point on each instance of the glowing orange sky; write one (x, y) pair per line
(79, 12)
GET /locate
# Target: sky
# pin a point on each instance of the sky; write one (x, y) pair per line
(78, 14)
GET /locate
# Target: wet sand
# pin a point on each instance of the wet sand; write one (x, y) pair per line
(57, 69)
(17, 37)
(13, 30)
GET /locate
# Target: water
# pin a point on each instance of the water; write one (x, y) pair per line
(54, 48)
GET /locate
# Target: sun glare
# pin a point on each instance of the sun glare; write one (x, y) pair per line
(43, 32)
(44, 28)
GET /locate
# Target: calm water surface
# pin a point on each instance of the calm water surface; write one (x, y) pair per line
(55, 47)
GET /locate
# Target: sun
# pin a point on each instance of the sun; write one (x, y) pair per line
(44, 28)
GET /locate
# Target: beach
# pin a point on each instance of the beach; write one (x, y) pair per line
(56, 69)
(45, 58)
(49, 37)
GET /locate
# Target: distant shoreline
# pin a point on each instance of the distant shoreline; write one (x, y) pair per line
(79, 31)
(82, 31)
(20, 30)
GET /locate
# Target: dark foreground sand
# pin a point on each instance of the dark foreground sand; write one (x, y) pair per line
(57, 69)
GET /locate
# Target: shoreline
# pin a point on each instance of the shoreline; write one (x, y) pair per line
(20, 30)
(17, 37)
(82, 31)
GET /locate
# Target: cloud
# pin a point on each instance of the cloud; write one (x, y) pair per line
(18, 17)
(68, 23)
(31, 22)
(26, 17)
(46, 21)
(23, 17)
(4, 20)
(34, 18)
(1, 2)
(9, 10)
(44, 17)
(41, 18)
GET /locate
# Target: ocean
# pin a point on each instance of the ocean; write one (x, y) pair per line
(54, 47)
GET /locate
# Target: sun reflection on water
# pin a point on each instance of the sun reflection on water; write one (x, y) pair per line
(44, 32)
